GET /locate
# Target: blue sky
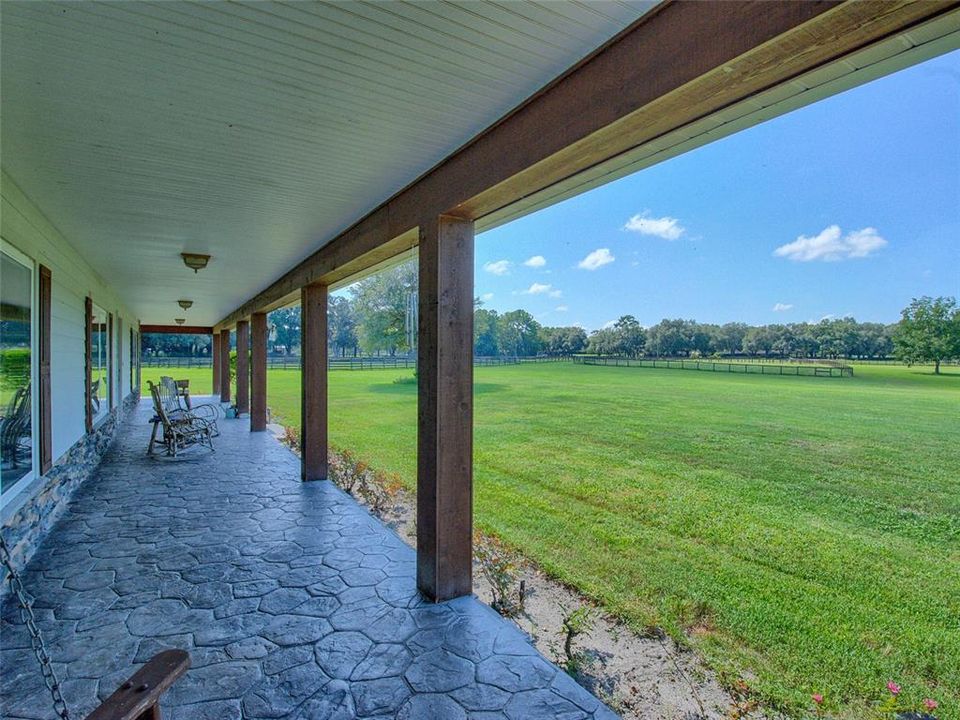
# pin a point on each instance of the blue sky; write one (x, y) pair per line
(850, 206)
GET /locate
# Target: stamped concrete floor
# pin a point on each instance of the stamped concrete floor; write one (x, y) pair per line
(291, 599)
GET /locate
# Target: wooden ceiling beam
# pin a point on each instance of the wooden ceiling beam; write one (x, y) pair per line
(678, 64)
(177, 329)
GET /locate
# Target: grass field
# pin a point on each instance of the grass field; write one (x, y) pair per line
(803, 533)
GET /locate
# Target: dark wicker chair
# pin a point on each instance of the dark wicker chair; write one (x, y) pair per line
(181, 430)
(15, 428)
(176, 404)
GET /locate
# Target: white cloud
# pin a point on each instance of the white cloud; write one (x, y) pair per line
(561, 308)
(782, 307)
(497, 267)
(832, 245)
(538, 289)
(596, 259)
(536, 261)
(487, 297)
(608, 324)
(665, 227)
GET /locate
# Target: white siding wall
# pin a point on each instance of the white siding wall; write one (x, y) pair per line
(23, 225)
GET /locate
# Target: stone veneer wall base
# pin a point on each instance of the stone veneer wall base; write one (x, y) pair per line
(50, 494)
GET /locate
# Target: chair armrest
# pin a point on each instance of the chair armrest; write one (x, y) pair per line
(206, 411)
(143, 689)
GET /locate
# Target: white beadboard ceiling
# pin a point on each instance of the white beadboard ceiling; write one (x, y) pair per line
(255, 131)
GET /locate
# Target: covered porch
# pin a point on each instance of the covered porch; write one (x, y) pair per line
(292, 600)
(297, 147)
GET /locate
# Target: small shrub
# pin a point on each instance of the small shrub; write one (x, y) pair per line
(743, 703)
(377, 491)
(575, 623)
(394, 484)
(291, 437)
(893, 706)
(345, 470)
(818, 701)
(499, 567)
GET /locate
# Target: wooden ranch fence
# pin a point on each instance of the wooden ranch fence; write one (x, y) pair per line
(359, 363)
(743, 368)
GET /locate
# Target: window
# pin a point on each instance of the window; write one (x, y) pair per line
(119, 346)
(134, 360)
(99, 393)
(17, 363)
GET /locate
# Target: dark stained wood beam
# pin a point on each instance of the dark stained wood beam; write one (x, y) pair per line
(313, 383)
(445, 409)
(110, 369)
(243, 366)
(177, 329)
(225, 366)
(46, 409)
(680, 63)
(258, 372)
(215, 362)
(88, 363)
(119, 373)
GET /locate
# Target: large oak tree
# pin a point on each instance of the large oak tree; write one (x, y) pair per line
(929, 331)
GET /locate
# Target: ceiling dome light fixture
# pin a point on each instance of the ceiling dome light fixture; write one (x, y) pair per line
(185, 304)
(195, 261)
(180, 321)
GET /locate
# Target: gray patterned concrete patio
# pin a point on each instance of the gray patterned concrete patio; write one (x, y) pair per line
(290, 598)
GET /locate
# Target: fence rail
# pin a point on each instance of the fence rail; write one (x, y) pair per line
(358, 363)
(366, 363)
(743, 368)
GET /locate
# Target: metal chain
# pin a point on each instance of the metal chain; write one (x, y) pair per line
(36, 637)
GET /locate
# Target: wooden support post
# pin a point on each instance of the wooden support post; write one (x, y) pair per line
(215, 361)
(46, 409)
(225, 365)
(445, 409)
(88, 363)
(258, 372)
(313, 382)
(110, 362)
(243, 366)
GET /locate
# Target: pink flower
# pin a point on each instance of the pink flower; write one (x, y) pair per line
(930, 704)
(817, 698)
(893, 688)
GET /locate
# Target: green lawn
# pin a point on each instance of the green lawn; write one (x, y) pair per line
(803, 533)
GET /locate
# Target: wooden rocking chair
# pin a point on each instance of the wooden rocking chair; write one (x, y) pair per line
(181, 429)
(15, 428)
(176, 406)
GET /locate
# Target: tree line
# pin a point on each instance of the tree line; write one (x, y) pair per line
(374, 318)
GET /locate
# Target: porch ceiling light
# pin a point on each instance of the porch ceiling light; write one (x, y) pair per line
(195, 261)
(180, 321)
(185, 304)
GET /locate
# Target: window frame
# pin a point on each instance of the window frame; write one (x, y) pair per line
(134, 360)
(87, 363)
(93, 421)
(28, 262)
